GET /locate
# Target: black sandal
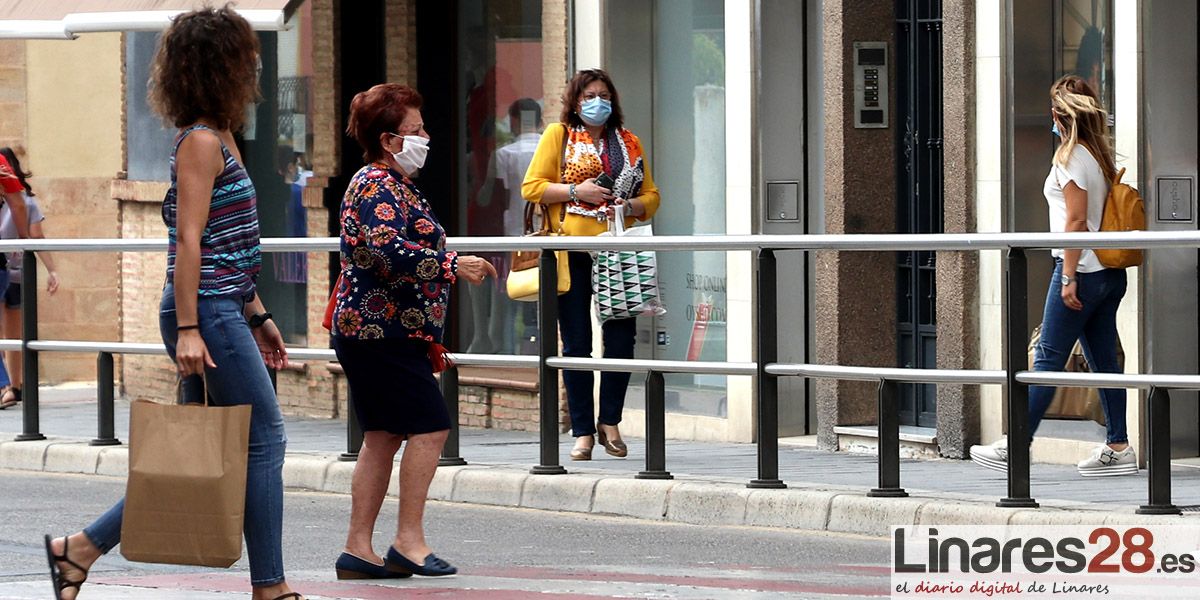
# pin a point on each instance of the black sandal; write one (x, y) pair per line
(56, 578)
(296, 595)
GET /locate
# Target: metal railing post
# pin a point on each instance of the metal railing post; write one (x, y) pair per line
(1016, 336)
(30, 428)
(547, 375)
(889, 442)
(450, 450)
(766, 419)
(106, 411)
(656, 428)
(1158, 427)
(354, 435)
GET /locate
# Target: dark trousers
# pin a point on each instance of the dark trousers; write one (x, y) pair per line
(575, 326)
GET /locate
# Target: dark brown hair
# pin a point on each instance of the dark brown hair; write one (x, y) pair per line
(379, 110)
(575, 89)
(1084, 122)
(206, 67)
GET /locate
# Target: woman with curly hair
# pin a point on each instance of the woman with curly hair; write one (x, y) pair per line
(390, 310)
(212, 321)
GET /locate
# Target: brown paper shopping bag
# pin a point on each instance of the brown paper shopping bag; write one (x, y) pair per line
(186, 494)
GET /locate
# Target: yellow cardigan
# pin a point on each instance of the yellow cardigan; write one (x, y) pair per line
(545, 170)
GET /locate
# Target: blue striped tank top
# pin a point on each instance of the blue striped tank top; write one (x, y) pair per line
(230, 258)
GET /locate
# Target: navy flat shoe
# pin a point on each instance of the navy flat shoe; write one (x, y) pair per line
(433, 567)
(349, 566)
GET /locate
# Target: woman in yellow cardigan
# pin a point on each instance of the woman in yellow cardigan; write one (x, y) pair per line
(587, 144)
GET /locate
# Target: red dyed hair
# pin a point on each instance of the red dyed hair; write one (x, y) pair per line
(379, 110)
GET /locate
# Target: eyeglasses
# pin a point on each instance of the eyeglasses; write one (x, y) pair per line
(591, 96)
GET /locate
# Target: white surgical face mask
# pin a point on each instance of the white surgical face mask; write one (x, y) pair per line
(412, 156)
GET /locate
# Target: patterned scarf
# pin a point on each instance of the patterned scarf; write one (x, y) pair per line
(617, 154)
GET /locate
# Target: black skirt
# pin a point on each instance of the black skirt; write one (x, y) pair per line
(392, 383)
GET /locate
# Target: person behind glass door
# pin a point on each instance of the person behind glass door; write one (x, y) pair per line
(11, 322)
(390, 313)
(211, 318)
(510, 163)
(590, 140)
(1083, 298)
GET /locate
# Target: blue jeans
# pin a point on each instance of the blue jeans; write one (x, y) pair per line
(1096, 329)
(575, 325)
(4, 378)
(240, 378)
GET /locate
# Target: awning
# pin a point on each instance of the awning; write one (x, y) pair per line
(65, 19)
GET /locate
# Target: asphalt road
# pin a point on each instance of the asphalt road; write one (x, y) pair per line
(501, 553)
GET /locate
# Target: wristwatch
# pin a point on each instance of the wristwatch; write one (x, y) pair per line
(257, 321)
(1065, 281)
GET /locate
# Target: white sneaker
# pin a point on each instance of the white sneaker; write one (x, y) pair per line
(1106, 462)
(994, 456)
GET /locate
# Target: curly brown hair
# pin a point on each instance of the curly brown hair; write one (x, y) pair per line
(575, 89)
(379, 110)
(206, 67)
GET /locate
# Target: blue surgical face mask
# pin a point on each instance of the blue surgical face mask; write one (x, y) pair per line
(1054, 129)
(595, 112)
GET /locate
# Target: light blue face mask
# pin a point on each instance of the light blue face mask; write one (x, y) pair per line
(1054, 129)
(595, 112)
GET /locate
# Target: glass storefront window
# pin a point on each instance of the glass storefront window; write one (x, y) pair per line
(1050, 39)
(276, 147)
(500, 45)
(1085, 44)
(688, 163)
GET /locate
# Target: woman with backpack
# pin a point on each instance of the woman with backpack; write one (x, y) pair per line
(1084, 295)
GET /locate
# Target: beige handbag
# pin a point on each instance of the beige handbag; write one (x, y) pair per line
(1074, 402)
(524, 277)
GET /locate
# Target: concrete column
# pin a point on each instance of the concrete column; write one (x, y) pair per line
(958, 272)
(855, 318)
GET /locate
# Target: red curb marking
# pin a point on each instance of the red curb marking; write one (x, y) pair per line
(732, 583)
(238, 583)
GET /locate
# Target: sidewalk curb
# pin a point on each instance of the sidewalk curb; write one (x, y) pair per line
(696, 501)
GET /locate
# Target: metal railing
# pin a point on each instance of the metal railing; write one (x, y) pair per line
(766, 369)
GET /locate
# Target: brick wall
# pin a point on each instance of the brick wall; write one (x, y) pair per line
(327, 117)
(555, 58)
(140, 290)
(400, 31)
(12, 93)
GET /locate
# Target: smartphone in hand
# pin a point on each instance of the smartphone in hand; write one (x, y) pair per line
(604, 181)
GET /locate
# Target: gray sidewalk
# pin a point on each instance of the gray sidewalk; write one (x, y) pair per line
(826, 491)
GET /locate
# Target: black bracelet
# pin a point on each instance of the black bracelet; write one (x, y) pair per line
(186, 327)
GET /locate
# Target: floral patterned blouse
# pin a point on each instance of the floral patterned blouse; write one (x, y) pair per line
(396, 273)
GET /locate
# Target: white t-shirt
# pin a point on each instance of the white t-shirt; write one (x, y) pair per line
(512, 161)
(1083, 169)
(8, 231)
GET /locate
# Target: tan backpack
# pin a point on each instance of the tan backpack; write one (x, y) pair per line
(1123, 211)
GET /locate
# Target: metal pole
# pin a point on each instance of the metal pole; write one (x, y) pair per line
(29, 333)
(767, 414)
(450, 450)
(889, 442)
(354, 436)
(106, 434)
(656, 428)
(547, 375)
(1016, 336)
(1159, 463)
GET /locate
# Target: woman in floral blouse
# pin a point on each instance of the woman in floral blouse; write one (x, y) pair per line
(391, 307)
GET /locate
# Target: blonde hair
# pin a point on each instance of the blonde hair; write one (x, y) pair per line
(1083, 122)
